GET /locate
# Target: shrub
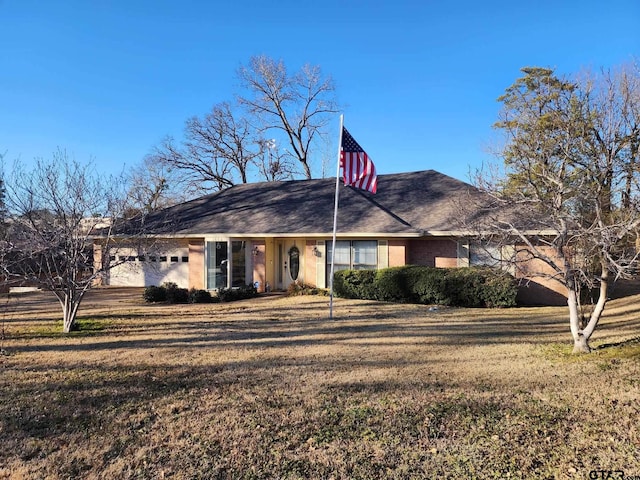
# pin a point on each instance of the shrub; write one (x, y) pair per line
(500, 290)
(296, 289)
(237, 293)
(355, 284)
(461, 287)
(200, 296)
(154, 294)
(176, 294)
(429, 285)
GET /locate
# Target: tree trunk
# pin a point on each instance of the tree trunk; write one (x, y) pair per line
(70, 304)
(580, 341)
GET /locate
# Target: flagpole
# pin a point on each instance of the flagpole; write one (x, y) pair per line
(335, 222)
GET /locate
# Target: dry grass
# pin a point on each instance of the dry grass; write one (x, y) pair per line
(270, 388)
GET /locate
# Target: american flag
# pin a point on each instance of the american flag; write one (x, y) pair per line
(357, 169)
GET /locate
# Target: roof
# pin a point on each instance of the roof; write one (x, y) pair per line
(406, 204)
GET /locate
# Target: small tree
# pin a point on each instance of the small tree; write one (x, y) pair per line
(54, 211)
(570, 182)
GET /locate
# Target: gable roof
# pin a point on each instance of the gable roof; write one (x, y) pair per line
(406, 204)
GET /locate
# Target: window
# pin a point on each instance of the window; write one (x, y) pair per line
(163, 258)
(238, 263)
(185, 259)
(141, 258)
(294, 262)
(217, 254)
(353, 255)
(174, 259)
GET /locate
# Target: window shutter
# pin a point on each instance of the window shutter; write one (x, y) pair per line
(383, 254)
(321, 258)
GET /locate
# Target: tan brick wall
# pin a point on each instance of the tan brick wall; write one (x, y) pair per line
(196, 263)
(310, 263)
(259, 264)
(397, 253)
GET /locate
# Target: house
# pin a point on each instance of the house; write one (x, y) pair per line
(275, 233)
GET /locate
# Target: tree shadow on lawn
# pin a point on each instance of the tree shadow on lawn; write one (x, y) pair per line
(262, 334)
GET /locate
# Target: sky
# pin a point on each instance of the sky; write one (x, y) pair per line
(418, 80)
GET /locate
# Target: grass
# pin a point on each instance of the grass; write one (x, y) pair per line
(270, 388)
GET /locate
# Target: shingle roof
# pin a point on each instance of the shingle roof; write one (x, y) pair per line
(406, 204)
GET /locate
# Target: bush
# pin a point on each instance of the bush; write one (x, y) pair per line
(429, 285)
(461, 287)
(355, 284)
(154, 294)
(176, 294)
(237, 293)
(200, 296)
(500, 290)
(296, 289)
(390, 285)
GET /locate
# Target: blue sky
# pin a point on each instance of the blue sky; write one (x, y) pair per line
(107, 80)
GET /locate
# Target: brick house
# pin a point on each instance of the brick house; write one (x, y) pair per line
(276, 233)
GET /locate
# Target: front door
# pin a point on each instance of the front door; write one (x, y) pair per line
(289, 258)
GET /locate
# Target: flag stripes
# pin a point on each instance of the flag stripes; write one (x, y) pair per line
(357, 168)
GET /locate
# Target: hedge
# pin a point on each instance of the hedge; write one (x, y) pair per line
(461, 287)
(170, 292)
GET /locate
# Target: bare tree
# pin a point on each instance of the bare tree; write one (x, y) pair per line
(55, 209)
(217, 152)
(274, 165)
(153, 185)
(298, 105)
(572, 177)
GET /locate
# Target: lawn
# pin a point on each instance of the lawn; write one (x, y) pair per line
(270, 388)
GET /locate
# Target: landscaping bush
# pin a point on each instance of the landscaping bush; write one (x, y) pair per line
(176, 294)
(355, 284)
(391, 285)
(154, 294)
(296, 289)
(428, 285)
(237, 293)
(460, 287)
(500, 290)
(200, 296)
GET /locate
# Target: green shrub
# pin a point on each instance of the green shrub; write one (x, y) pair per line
(200, 296)
(237, 293)
(429, 285)
(500, 290)
(391, 284)
(154, 294)
(464, 286)
(461, 287)
(176, 294)
(355, 284)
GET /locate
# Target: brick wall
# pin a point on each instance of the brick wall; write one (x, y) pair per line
(196, 263)
(433, 252)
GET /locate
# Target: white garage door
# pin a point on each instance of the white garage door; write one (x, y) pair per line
(143, 271)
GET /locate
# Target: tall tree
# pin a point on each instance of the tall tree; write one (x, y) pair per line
(218, 150)
(572, 173)
(299, 105)
(55, 209)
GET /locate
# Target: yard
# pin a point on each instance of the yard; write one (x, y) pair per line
(270, 388)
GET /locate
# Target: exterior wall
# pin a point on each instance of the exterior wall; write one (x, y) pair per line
(259, 266)
(536, 286)
(196, 263)
(310, 262)
(397, 253)
(433, 252)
